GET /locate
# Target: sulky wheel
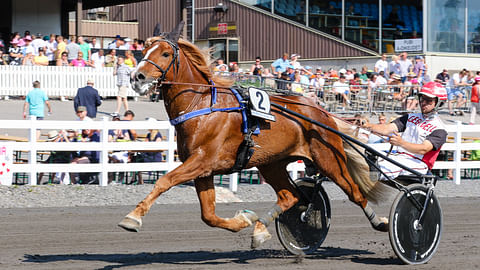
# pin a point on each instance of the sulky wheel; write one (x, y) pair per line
(415, 242)
(301, 231)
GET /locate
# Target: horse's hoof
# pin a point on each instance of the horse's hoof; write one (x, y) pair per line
(382, 226)
(130, 224)
(247, 216)
(260, 237)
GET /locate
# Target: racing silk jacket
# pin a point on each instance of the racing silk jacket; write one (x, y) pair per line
(417, 128)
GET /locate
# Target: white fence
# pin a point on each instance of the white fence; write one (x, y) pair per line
(32, 147)
(56, 81)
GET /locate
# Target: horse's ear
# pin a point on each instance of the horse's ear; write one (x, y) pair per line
(175, 34)
(157, 30)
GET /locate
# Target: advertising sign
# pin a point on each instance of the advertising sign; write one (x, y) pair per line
(6, 156)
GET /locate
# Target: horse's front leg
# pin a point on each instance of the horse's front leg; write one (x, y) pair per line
(191, 169)
(206, 194)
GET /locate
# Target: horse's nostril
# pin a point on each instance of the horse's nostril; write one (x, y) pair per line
(140, 76)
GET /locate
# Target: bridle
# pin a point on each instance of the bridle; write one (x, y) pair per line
(175, 63)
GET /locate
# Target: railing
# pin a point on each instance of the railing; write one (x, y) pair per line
(32, 147)
(362, 98)
(57, 81)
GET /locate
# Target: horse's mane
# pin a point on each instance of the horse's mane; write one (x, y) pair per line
(200, 59)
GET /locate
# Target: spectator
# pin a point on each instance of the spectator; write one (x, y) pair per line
(373, 138)
(50, 47)
(85, 48)
(381, 79)
(117, 43)
(122, 72)
(88, 96)
(98, 59)
(86, 157)
(57, 156)
(38, 43)
(419, 66)
(280, 65)
(381, 64)
(94, 44)
(283, 83)
(349, 75)
(73, 49)
(293, 61)
(82, 112)
(475, 100)
(128, 116)
(61, 48)
(443, 77)
(3, 59)
(63, 60)
(15, 53)
(127, 42)
(220, 65)
(111, 58)
(394, 66)
(395, 87)
(130, 60)
(457, 91)
(234, 68)
(118, 135)
(341, 87)
(79, 62)
(318, 81)
(136, 46)
(35, 102)
(153, 135)
(405, 66)
(41, 59)
(256, 69)
(28, 60)
(296, 86)
(363, 74)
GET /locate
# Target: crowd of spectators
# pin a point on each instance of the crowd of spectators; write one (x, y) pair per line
(402, 77)
(55, 50)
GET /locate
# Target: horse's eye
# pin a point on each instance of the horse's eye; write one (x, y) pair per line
(165, 54)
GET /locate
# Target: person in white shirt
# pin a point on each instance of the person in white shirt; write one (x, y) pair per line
(98, 59)
(457, 91)
(342, 88)
(293, 61)
(382, 64)
(37, 43)
(94, 44)
(381, 79)
(51, 45)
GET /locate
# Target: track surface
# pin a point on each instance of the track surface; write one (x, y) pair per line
(174, 237)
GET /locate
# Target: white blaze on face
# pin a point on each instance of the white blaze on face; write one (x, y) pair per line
(147, 55)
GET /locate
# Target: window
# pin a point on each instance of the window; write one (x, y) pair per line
(226, 49)
(446, 23)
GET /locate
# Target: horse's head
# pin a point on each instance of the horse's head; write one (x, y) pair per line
(160, 60)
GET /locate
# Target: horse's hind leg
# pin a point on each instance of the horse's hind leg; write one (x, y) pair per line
(206, 194)
(277, 176)
(332, 163)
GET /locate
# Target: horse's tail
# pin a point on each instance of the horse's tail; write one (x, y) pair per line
(358, 167)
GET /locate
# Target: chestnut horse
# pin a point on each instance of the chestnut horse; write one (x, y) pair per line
(207, 144)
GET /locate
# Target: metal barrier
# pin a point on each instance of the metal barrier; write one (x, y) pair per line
(57, 81)
(361, 98)
(32, 147)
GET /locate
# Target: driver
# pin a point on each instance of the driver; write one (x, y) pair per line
(423, 134)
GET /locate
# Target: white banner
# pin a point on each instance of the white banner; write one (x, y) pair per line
(6, 156)
(408, 45)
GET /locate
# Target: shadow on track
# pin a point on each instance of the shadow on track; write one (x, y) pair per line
(210, 257)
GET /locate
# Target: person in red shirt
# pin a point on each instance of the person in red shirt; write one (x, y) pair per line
(474, 100)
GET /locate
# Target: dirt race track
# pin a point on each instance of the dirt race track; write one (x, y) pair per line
(174, 237)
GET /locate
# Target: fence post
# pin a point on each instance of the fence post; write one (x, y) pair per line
(32, 158)
(104, 154)
(458, 152)
(233, 183)
(171, 146)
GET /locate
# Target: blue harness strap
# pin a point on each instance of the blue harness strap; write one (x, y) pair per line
(242, 108)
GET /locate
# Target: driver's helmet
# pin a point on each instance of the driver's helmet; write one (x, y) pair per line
(434, 90)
